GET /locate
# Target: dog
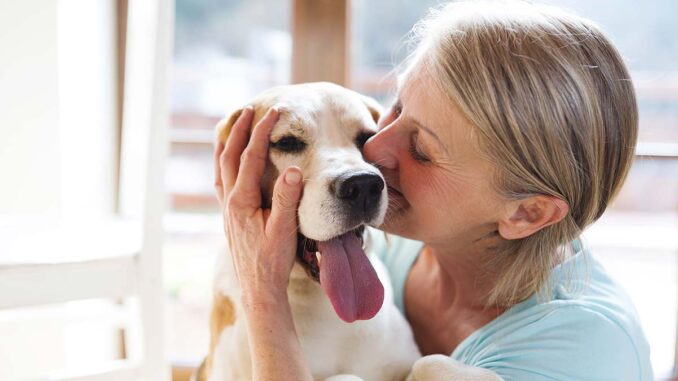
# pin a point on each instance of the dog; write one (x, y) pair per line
(336, 290)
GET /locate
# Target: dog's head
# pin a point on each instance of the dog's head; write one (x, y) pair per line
(321, 129)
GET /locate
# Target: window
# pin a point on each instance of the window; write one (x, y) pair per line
(57, 89)
(226, 52)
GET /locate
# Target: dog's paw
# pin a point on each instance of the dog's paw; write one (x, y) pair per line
(343, 377)
(443, 368)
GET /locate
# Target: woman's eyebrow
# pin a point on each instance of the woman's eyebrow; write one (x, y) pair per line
(398, 103)
(430, 132)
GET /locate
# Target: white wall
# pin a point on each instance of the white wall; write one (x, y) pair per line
(29, 153)
(57, 108)
(87, 106)
(57, 158)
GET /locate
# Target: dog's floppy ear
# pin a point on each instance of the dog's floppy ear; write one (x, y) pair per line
(224, 126)
(373, 106)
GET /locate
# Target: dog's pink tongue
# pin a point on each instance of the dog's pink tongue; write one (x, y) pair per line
(348, 278)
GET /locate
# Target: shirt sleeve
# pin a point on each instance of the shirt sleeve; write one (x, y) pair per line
(566, 343)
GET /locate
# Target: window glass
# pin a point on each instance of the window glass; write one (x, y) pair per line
(228, 51)
(645, 36)
(225, 52)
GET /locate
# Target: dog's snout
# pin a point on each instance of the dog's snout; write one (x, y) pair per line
(361, 192)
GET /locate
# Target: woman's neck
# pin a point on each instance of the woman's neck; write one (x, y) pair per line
(455, 290)
(458, 274)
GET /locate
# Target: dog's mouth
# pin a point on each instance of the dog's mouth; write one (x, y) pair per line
(344, 272)
(310, 257)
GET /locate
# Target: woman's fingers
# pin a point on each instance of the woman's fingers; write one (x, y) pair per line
(286, 195)
(247, 187)
(229, 158)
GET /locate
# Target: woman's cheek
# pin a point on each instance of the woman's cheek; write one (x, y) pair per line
(425, 186)
(413, 179)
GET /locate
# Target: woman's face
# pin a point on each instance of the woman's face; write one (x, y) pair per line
(439, 183)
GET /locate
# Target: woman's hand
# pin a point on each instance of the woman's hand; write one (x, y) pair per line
(263, 245)
(263, 242)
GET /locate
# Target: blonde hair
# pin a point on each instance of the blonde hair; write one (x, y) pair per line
(553, 107)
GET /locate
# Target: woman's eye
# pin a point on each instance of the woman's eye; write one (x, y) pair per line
(289, 144)
(362, 138)
(416, 153)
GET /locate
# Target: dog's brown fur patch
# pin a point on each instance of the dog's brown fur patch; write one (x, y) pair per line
(225, 125)
(201, 373)
(222, 316)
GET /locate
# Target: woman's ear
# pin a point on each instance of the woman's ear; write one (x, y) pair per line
(223, 128)
(529, 215)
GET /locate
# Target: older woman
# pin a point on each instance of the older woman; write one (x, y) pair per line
(513, 129)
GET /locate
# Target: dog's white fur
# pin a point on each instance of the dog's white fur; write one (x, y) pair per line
(382, 348)
(328, 118)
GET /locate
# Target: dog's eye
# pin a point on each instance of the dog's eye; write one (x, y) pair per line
(289, 144)
(362, 138)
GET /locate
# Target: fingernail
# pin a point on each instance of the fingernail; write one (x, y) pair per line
(293, 177)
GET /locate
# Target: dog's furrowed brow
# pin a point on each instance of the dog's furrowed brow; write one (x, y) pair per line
(294, 128)
(297, 128)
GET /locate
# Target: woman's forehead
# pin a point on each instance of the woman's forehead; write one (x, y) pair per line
(422, 99)
(426, 103)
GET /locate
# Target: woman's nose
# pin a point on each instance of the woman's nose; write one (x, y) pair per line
(380, 149)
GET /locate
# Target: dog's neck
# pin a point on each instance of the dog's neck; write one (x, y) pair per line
(301, 286)
(306, 297)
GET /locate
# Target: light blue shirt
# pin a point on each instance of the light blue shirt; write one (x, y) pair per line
(587, 329)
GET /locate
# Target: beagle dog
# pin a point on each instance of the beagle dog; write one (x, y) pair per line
(336, 289)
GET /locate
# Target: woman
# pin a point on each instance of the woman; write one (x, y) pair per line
(514, 128)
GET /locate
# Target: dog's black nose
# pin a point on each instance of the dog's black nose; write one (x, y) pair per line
(361, 192)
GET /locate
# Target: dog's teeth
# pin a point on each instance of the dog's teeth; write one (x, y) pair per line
(318, 256)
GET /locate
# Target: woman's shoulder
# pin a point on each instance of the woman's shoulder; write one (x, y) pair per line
(570, 342)
(586, 329)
